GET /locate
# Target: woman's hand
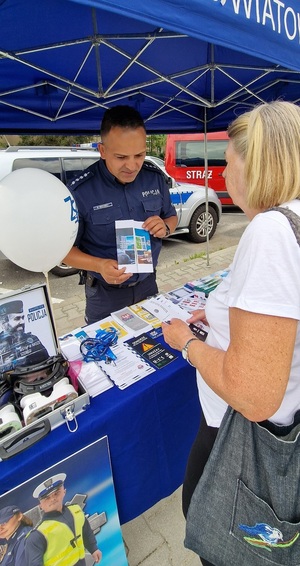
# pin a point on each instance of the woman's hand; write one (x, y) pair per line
(198, 315)
(176, 333)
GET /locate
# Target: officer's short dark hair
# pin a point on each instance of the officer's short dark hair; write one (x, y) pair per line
(122, 117)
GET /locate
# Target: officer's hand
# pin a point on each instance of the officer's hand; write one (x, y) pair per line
(156, 226)
(97, 555)
(110, 272)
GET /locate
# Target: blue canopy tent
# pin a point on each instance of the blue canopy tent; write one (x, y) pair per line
(186, 65)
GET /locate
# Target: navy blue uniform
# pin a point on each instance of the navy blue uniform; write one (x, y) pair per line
(101, 200)
(12, 551)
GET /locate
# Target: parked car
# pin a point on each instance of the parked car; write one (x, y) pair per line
(190, 203)
(67, 162)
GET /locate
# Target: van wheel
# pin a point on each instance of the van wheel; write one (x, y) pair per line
(197, 227)
(63, 270)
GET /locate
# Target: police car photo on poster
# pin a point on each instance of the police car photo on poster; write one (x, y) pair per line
(26, 328)
(68, 511)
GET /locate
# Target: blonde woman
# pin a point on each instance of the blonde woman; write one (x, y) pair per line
(251, 358)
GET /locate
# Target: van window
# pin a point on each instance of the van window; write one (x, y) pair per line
(50, 164)
(64, 168)
(74, 166)
(185, 160)
(192, 153)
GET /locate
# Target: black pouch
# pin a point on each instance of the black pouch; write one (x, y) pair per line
(90, 280)
(82, 277)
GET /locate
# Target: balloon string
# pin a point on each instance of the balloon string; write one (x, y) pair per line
(52, 311)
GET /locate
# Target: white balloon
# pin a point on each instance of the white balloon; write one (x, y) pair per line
(38, 219)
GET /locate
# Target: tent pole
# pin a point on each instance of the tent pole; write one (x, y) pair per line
(206, 186)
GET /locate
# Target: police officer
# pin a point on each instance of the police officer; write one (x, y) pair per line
(118, 186)
(23, 347)
(14, 526)
(63, 533)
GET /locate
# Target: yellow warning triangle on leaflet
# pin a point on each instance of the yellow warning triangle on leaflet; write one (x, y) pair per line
(146, 347)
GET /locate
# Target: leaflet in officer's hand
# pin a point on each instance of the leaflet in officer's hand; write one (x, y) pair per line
(133, 247)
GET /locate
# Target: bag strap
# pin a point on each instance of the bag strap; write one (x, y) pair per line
(292, 217)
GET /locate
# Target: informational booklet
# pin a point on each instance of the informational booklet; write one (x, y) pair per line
(176, 295)
(164, 309)
(133, 247)
(109, 324)
(208, 283)
(190, 301)
(130, 321)
(151, 350)
(92, 377)
(127, 368)
(149, 318)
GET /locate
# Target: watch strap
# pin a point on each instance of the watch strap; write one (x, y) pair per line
(168, 230)
(185, 349)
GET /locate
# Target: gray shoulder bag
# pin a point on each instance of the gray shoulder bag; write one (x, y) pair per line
(245, 510)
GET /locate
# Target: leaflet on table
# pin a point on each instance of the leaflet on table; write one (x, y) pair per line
(208, 283)
(190, 301)
(132, 323)
(133, 247)
(109, 323)
(151, 350)
(149, 318)
(127, 369)
(91, 376)
(177, 294)
(70, 347)
(164, 309)
(70, 343)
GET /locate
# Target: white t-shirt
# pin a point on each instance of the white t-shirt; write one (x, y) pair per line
(264, 278)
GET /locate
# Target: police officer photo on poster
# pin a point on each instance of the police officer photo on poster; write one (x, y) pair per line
(67, 514)
(26, 328)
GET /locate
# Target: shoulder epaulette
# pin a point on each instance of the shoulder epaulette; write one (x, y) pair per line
(151, 167)
(80, 179)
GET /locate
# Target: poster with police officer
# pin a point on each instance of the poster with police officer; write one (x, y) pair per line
(26, 328)
(67, 514)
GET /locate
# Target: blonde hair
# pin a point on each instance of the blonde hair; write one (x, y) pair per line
(268, 139)
(26, 521)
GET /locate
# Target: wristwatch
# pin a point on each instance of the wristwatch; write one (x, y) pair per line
(184, 351)
(168, 231)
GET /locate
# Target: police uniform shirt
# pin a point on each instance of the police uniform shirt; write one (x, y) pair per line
(36, 544)
(14, 554)
(101, 200)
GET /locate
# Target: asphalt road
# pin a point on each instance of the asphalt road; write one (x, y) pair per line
(174, 250)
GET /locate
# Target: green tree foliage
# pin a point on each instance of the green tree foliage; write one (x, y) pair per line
(156, 145)
(54, 140)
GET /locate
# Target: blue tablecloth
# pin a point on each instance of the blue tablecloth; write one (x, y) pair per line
(150, 427)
